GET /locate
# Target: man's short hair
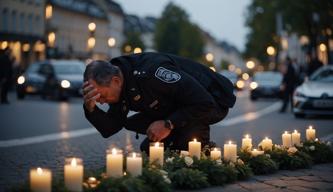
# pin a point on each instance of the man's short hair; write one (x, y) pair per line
(101, 72)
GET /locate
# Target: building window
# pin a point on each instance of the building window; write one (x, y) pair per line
(14, 22)
(4, 19)
(30, 24)
(22, 23)
(37, 23)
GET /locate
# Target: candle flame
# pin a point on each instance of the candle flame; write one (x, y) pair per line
(92, 179)
(73, 162)
(295, 131)
(247, 136)
(310, 127)
(254, 149)
(195, 140)
(286, 132)
(229, 142)
(215, 149)
(157, 144)
(39, 171)
(134, 155)
(125, 173)
(114, 151)
(266, 138)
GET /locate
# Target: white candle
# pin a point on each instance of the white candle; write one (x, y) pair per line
(184, 153)
(296, 138)
(114, 163)
(194, 148)
(73, 173)
(156, 153)
(134, 164)
(247, 143)
(286, 139)
(40, 180)
(310, 133)
(215, 154)
(266, 144)
(255, 152)
(230, 152)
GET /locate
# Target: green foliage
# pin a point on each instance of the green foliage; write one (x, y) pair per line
(320, 152)
(290, 161)
(155, 180)
(244, 171)
(177, 35)
(189, 179)
(262, 164)
(133, 39)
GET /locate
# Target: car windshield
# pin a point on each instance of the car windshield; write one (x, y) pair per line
(325, 75)
(275, 77)
(33, 68)
(69, 68)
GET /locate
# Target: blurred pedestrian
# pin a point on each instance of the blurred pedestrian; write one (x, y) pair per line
(313, 65)
(288, 84)
(6, 72)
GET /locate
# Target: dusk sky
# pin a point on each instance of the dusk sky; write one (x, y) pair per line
(224, 19)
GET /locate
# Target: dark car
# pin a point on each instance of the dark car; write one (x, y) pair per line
(265, 84)
(58, 79)
(315, 95)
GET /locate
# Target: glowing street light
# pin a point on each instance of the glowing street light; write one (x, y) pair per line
(111, 42)
(322, 47)
(209, 57)
(51, 38)
(91, 42)
(250, 64)
(245, 76)
(48, 11)
(270, 50)
(92, 26)
(137, 50)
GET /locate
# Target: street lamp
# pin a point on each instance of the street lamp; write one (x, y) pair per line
(250, 64)
(51, 39)
(48, 11)
(92, 27)
(137, 50)
(111, 42)
(322, 47)
(91, 43)
(270, 50)
(209, 57)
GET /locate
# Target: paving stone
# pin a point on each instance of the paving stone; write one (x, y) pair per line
(310, 178)
(254, 185)
(299, 188)
(277, 183)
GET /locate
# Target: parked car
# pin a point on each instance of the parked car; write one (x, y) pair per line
(315, 95)
(59, 79)
(233, 77)
(265, 84)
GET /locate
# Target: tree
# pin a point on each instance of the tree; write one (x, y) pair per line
(133, 39)
(177, 35)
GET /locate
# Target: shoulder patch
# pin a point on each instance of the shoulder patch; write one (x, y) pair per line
(167, 75)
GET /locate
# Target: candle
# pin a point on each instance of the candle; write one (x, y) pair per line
(184, 153)
(230, 152)
(134, 164)
(255, 152)
(156, 153)
(247, 143)
(114, 163)
(73, 174)
(286, 139)
(40, 180)
(215, 154)
(310, 133)
(296, 138)
(266, 144)
(194, 148)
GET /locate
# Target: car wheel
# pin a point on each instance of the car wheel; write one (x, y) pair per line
(299, 115)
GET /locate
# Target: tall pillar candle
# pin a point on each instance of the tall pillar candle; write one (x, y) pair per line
(215, 154)
(310, 133)
(296, 138)
(230, 152)
(266, 144)
(73, 173)
(114, 163)
(134, 164)
(247, 143)
(40, 180)
(194, 148)
(156, 153)
(286, 139)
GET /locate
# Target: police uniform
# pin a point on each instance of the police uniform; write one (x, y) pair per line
(166, 87)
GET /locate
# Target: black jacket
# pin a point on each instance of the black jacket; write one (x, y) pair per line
(163, 86)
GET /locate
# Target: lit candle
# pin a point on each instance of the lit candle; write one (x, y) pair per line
(134, 164)
(310, 133)
(156, 153)
(296, 138)
(230, 152)
(40, 180)
(194, 148)
(286, 139)
(247, 143)
(73, 174)
(255, 152)
(215, 154)
(266, 144)
(114, 163)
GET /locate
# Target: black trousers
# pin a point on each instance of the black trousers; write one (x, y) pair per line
(5, 85)
(179, 137)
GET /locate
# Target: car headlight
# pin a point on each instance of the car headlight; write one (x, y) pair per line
(253, 85)
(299, 94)
(20, 80)
(240, 84)
(65, 84)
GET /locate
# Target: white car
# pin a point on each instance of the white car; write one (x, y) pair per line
(315, 95)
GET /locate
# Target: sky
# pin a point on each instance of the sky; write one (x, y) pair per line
(223, 19)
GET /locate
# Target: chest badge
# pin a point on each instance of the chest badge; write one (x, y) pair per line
(167, 75)
(137, 98)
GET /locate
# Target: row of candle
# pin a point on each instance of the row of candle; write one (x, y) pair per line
(40, 179)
